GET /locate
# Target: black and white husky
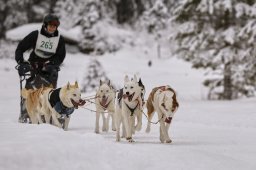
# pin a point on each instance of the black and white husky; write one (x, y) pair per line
(129, 106)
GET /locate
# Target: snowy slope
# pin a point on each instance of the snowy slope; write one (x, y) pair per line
(206, 134)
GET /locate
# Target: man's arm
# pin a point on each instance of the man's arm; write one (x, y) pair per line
(27, 43)
(60, 53)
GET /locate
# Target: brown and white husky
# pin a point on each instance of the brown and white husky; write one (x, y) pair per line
(163, 101)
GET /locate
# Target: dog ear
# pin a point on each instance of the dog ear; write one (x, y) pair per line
(68, 86)
(109, 83)
(140, 82)
(126, 79)
(76, 85)
(135, 78)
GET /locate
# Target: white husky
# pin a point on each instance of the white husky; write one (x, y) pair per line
(128, 106)
(61, 102)
(105, 101)
(163, 101)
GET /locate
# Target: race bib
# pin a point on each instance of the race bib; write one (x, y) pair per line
(46, 47)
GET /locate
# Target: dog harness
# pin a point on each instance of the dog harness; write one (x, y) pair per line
(119, 98)
(132, 109)
(54, 99)
(105, 106)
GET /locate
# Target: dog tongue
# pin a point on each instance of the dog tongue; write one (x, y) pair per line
(104, 101)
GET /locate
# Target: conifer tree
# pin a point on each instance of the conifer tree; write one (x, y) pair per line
(219, 35)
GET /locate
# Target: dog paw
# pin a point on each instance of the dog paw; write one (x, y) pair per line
(130, 139)
(97, 131)
(162, 140)
(169, 141)
(59, 126)
(118, 139)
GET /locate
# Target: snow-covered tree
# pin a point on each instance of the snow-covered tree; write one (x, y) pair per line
(12, 14)
(70, 12)
(219, 35)
(93, 75)
(155, 18)
(37, 9)
(97, 36)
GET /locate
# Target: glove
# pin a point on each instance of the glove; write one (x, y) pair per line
(50, 68)
(24, 67)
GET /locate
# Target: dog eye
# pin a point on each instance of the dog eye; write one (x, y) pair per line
(125, 87)
(101, 91)
(74, 95)
(107, 91)
(131, 87)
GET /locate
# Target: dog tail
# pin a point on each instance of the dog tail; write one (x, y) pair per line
(25, 93)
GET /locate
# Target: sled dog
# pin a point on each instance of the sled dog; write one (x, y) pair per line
(33, 103)
(61, 102)
(129, 105)
(162, 100)
(105, 101)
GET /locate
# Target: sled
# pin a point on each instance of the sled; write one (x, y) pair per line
(31, 82)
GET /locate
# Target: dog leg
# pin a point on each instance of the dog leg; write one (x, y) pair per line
(47, 118)
(33, 119)
(39, 119)
(107, 122)
(123, 130)
(164, 135)
(133, 124)
(167, 126)
(139, 121)
(161, 135)
(55, 119)
(118, 122)
(104, 126)
(113, 122)
(148, 127)
(150, 114)
(126, 126)
(97, 126)
(129, 128)
(66, 123)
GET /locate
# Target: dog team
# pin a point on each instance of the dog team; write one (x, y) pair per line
(124, 108)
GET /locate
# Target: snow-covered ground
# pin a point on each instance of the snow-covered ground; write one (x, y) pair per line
(207, 135)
